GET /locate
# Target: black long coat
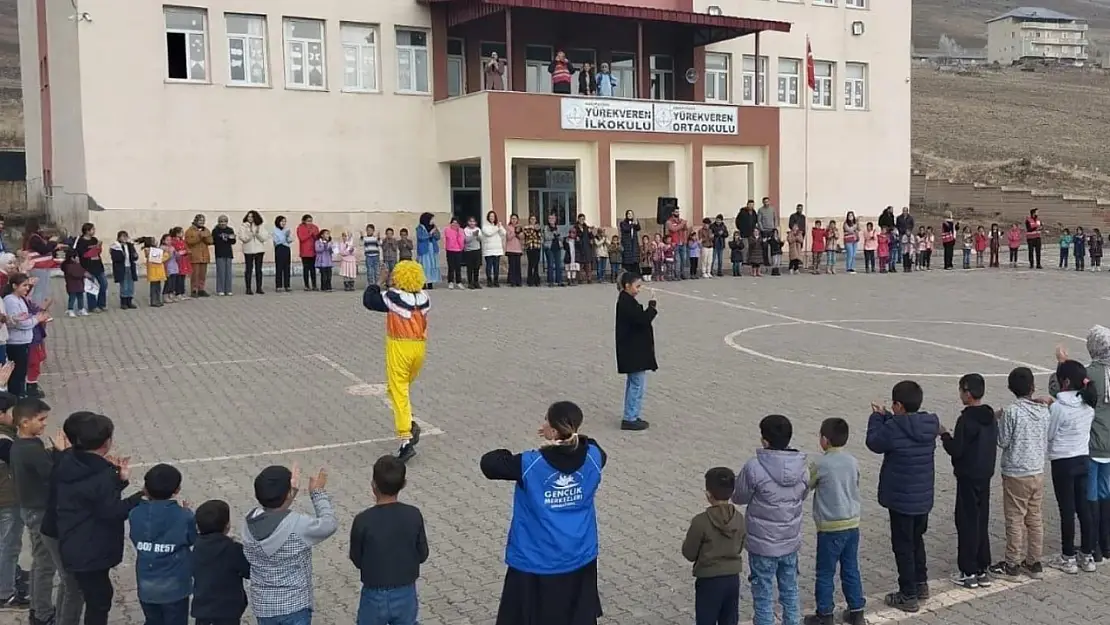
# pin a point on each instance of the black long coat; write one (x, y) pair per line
(630, 244)
(635, 336)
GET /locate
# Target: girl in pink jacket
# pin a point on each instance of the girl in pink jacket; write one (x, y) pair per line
(453, 240)
(1013, 238)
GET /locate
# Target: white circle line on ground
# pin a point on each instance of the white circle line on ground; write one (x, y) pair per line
(730, 340)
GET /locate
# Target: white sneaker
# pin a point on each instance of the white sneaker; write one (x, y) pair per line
(1086, 562)
(82, 313)
(450, 285)
(70, 313)
(1067, 564)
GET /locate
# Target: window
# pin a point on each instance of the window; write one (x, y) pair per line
(623, 66)
(716, 77)
(246, 49)
(789, 81)
(304, 54)
(752, 83)
(360, 57)
(825, 3)
(855, 86)
(823, 90)
(412, 61)
(456, 68)
(186, 44)
(662, 77)
(536, 60)
(855, 4)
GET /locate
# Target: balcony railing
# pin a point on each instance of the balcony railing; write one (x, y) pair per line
(1054, 25)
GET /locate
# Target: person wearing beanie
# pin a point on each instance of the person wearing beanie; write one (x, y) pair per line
(278, 542)
(406, 332)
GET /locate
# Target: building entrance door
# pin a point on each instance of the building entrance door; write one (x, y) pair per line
(552, 190)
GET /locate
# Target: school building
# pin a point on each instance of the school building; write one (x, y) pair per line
(359, 111)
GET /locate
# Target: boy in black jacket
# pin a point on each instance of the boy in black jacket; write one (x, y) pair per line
(85, 511)
(973, 446)
(219, 568)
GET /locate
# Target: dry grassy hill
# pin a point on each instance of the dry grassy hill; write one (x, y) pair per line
(964, 20)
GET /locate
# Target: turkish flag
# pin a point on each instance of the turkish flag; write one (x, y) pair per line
(811, 76)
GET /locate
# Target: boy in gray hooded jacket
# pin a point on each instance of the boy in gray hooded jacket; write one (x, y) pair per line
(773, 486)
(277, 543)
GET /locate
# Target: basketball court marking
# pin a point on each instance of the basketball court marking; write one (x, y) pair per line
(174, 365)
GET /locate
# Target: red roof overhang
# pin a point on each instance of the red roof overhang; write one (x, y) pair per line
(708, 28)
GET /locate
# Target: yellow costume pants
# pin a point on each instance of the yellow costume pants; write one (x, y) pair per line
(403, 360)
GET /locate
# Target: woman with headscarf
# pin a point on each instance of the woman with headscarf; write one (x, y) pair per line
(552, 547)
(630, 243)
(35, 242)
(427, 249)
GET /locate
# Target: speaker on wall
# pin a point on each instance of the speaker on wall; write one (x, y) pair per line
(665, 208)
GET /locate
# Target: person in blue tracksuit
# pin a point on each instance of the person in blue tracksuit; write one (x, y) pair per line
(551, 582)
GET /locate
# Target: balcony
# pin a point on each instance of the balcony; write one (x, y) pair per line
(1074, 26)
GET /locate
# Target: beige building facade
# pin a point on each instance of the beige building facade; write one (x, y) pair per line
(363, 112)
(1035, 34)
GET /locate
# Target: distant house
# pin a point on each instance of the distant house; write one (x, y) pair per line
(959, 57)
(1034, 34)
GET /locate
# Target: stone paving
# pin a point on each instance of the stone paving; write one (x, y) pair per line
(226, 386)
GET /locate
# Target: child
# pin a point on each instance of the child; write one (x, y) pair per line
(1065, 247)
(616, 257)
(870, 245)
(720, 242)
(219, 568)
(882, 247)
(1069, 436)
(930, 242)
(907, 440)
(736, 253)
(124, 271)
(601, 254)
(755, 253)
(472, 256)
(895, 249)
(169, 257)
(372, 250)
(85, 480)
(1022, 437)
(774, 248)
(1080, 243)
(348, 264)
(1094, 245)
(325, 252)
(670, 261)
(74, 275)
(981, 242)
(693, 246)
(706, 241)
(404, 246)
(14, 594)
(388, 246)
(163, 533)
(278, 542)
(715, 544)
(834, 478)
(973, 447)
(907, 246)
(967, 243)
(388, 545)
(572, 254)
(817, 235)
(832, 246)
(796, 242)
(184, 264)
(995, 245)
(773, 486)
(919, 261)
(651, 258)
(1013, 240)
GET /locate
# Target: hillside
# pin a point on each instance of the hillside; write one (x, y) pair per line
(964, 21)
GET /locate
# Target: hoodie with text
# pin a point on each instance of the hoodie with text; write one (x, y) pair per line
(715, 541)
(163, 533)
(973, 444)
(773, 485)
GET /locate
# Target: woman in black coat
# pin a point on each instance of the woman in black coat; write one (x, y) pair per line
(635, 348)
(630, 243)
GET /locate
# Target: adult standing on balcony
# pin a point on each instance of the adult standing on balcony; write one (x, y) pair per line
(679, 232)
(587, 80)
(606, 82)
(1033, 238)
(561, 71)
(495, 73)
(630, 243)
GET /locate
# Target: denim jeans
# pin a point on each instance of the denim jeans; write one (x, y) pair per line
(895, 256)
(554, 258)
(100, 300)
(176, 613)
(850, 256)
(838, 548)
(388, 606)
(224, 275)
(373, 267)
(493, 268)
(718, 266)
(127, 286)
(682, 265)
(11, 542)
(601, 265)
(76, 302)
(301, 617)
(765, 572)
(830, 259)
(967, 259)
(634, 394)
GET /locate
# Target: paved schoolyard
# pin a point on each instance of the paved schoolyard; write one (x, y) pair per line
(225, 386)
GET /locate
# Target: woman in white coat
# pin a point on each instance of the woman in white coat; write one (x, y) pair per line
(254, 237)
(493, 248)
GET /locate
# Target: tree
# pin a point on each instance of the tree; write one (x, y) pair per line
(949, 49)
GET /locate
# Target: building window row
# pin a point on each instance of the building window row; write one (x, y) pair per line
(304, 49)
(851, 4)
(791, 82)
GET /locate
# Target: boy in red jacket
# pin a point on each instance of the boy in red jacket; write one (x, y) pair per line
(818, 245)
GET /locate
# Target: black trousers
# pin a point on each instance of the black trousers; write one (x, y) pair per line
(927, 258)
(868, 261)
(907, 262)
(1069, 482)
(454, 267)
(1034, 252)
(994, 258)
(973, 540)
(473, 260)
(717, 600)
(20, 356)
(1013, 255)
(533, 267)
(632, 268)
(907, 539)
(949, 251)
(253, 265)
(281, 266)
(325, 278)
(308, 265)
(515, 279)
(96, 586)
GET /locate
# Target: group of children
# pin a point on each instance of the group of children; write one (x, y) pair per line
(69, 492)
(1081, 244)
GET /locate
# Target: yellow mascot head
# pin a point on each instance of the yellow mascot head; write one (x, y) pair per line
(409, 276)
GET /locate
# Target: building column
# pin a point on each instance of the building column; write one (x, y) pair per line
(758, 87)
(439, 51)
(697, 182)
(605, 184)
(510, 82)
(643, 67)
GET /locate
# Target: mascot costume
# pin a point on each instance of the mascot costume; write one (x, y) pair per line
(406, 306)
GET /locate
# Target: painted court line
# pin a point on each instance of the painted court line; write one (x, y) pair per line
(176, 365)
(797, 320)
(955, 595)
(282, 452)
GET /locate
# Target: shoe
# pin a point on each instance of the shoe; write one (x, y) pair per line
(250, 292)
(131, 303)
(901, 602)
(288, 290)
(1067, 564)
(1086, 563)
(923, 591)
(202, 293)
(967, 581)
(16, 602)
(1004, 569)
(415, 430)
(33, 390)
(450, 285)
(984, 579)
(70, 313)
(635, 425)
(818, 619)
(854, 617)
(406, 452)
(260, 291)
(39, 621)
(220, 293)
(82, 313)
(1034, 571)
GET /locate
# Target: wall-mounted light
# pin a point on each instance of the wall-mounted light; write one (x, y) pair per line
(857, 28)
(713, 10)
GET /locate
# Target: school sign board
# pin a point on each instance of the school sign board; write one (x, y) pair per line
(614, 115)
